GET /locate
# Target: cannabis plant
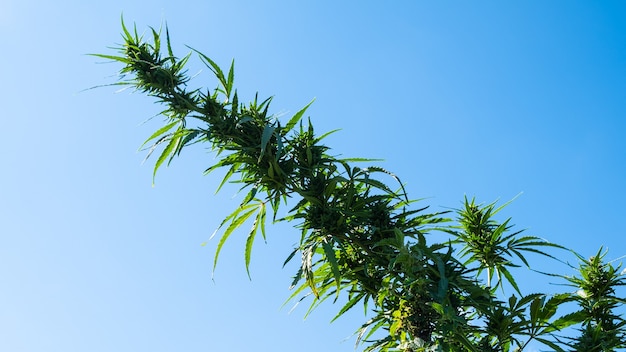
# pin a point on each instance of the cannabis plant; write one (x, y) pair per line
(361, 237)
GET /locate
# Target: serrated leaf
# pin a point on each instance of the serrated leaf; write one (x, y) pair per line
(250, 242)
(169, 46)
(332, 260)
(217, 71)
(391, 174)
(550, 344)
(535, 310)
(307, 268)
(351, 303)
(114, 58)
(262, 217)
(159, 132)
(250, 196)
(295, 119)
(509, 278)
(167, 152)
(127, 34)
(268, 131)
(156, 40)
(231, 78)
(290, 256)
(178, 137)
(326, 135)
(233, 225)
(359, 160)
(567, 321)
(377, 184)
(153, 147)
(189, 137)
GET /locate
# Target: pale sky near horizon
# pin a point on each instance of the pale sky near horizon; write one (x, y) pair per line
(487, 99)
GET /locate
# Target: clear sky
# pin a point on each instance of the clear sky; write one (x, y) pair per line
(481, 98)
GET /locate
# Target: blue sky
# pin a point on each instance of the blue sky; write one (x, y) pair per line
(485, 99)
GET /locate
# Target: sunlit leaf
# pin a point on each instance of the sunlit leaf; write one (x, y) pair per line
(167, 153)
(159, 132)
(236, 222)
(250, 239)
(231, 79)
(295, 119)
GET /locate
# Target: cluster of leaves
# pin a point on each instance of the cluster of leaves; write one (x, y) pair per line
(602, 329)
(362, 237)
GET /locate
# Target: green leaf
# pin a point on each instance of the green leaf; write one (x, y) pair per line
(190, 137)
(169, 46)
(236, 222)
(268, 131)
(362, 336)
(535, 309)
(217, 71)
(114, 58)
(359, 160)
(550, 344)
(250, 240)
(351, 303)
(394, 327)
(262, 217)
(291, 255)
(156, 40)
(307, 268)
(377, 184)
(332, 259)
(316, 140)
(231, 78)
(295, 119)
(167, 153)
(567, 321)
(127, 34)
(504, 271)
(159, 132)
(250, 196)
(382, 170)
